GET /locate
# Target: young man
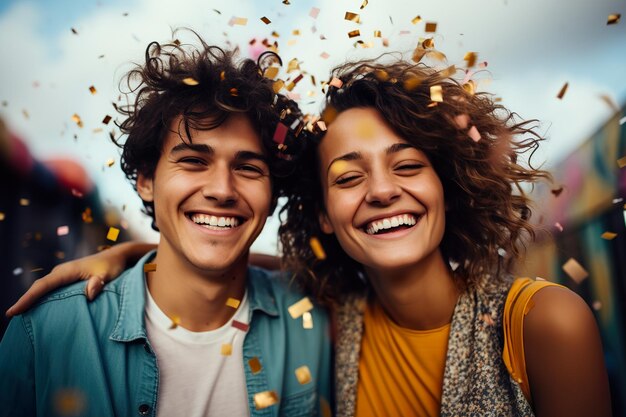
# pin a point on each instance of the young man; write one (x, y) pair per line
(191, 329)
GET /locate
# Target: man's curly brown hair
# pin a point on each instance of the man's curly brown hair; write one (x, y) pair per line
(487, 208)
(204, 84)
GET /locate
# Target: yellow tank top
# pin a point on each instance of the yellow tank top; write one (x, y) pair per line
(401, 370)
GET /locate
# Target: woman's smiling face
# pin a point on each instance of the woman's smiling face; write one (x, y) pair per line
(383, 199)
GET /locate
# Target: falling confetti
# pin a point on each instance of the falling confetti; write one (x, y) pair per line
(557, 191)
(301, 307)
(241, 326)
(233, 302)
(63, 230)
(473, 133)
(575, 270)
(314, 12)
(266, 20)
(470, 58)
(324, 55)
(255, 365)
(336, 82)
(436, 93)
(558, 226)
(106, 119)
(303, 375)
(597, 305)
(190, 81)
(353, 17)
(363, 4)
(175, 322)
(307, 320)
(1, 216)
(608, 235)
(74, 31)
(265, 399)
(280, 133)
(317, 248)
(562, 91)
(76, 119)
(416, 19)
(87, 216)
(149, 267)
(24, 202)
(378, 34)
(621, 162)
(613, 19)
(17, 271)
(354, 33)
(113, 234)
(430, 27)
(241, 21)
(227, 349)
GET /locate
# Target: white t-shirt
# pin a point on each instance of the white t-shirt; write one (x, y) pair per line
(195, 378)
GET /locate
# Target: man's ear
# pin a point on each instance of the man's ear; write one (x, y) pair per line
(145, 188)
(325, 224)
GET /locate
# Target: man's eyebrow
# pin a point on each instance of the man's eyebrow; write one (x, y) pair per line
(350, 156)
(196, 147)
(397, 147)
(248, 155)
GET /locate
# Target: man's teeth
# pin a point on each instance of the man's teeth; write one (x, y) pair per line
(203, 219)
(395, 221)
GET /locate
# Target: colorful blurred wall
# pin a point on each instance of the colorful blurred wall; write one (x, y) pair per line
(587, 200)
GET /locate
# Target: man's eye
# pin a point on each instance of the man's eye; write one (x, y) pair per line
(191, 160)
(409, 167)
(251, 169)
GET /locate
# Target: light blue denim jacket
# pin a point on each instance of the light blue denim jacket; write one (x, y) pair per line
(68, 356)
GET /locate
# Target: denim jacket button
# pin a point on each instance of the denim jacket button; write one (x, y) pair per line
(144, 409)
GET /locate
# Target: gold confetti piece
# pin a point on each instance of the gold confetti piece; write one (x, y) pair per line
(233, 92)
(175, 322)
(353, 17)
(303, 375)
(232, 302)
(271, 72)
(321, 125)
(87, 217)
(314, 12)
(416, 19)
(613, 19)
(286, 2)
(436, 93)
(431, 27)
(24, 202)
(241, 21)
(106, 119)
(278, 85)
(558, 226)
(266, 20)
(562, 91)
(378, 34)
(295, 32)
(307, 320)
(448, 72)
(385, 42)
(621, 162)
(149, 267)
(25, 113)
(1, 216)
(575, 270)
(363, 4)
(76, 119)
(299, 308)
(110, 162)
(63, 230)
(265, 399)
(324, 55)
(325, 408)
(354, 33)
(69, 402)
(317, 248)
(92, 90)
(113, 233)
(255, 365)
(227, 349)
(470, 58)
(608, 235)
(336, 82)
(74, 31)
(473, 133)
(190, 81)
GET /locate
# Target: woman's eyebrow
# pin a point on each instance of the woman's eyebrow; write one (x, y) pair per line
(350, 156)
(397, 147)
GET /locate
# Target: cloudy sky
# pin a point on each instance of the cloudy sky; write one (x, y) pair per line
(54, 50)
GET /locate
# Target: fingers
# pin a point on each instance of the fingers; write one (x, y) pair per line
(59, 276)
(94, 287)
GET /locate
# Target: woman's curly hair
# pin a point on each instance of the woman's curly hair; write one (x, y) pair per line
(487, 208)
(203, 84)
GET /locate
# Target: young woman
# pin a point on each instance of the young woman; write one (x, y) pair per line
(415, 194)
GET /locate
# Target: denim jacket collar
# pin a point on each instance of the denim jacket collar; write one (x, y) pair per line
(130, 324)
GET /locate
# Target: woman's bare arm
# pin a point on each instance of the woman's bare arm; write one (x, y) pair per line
(564, 359)
(97, 269)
